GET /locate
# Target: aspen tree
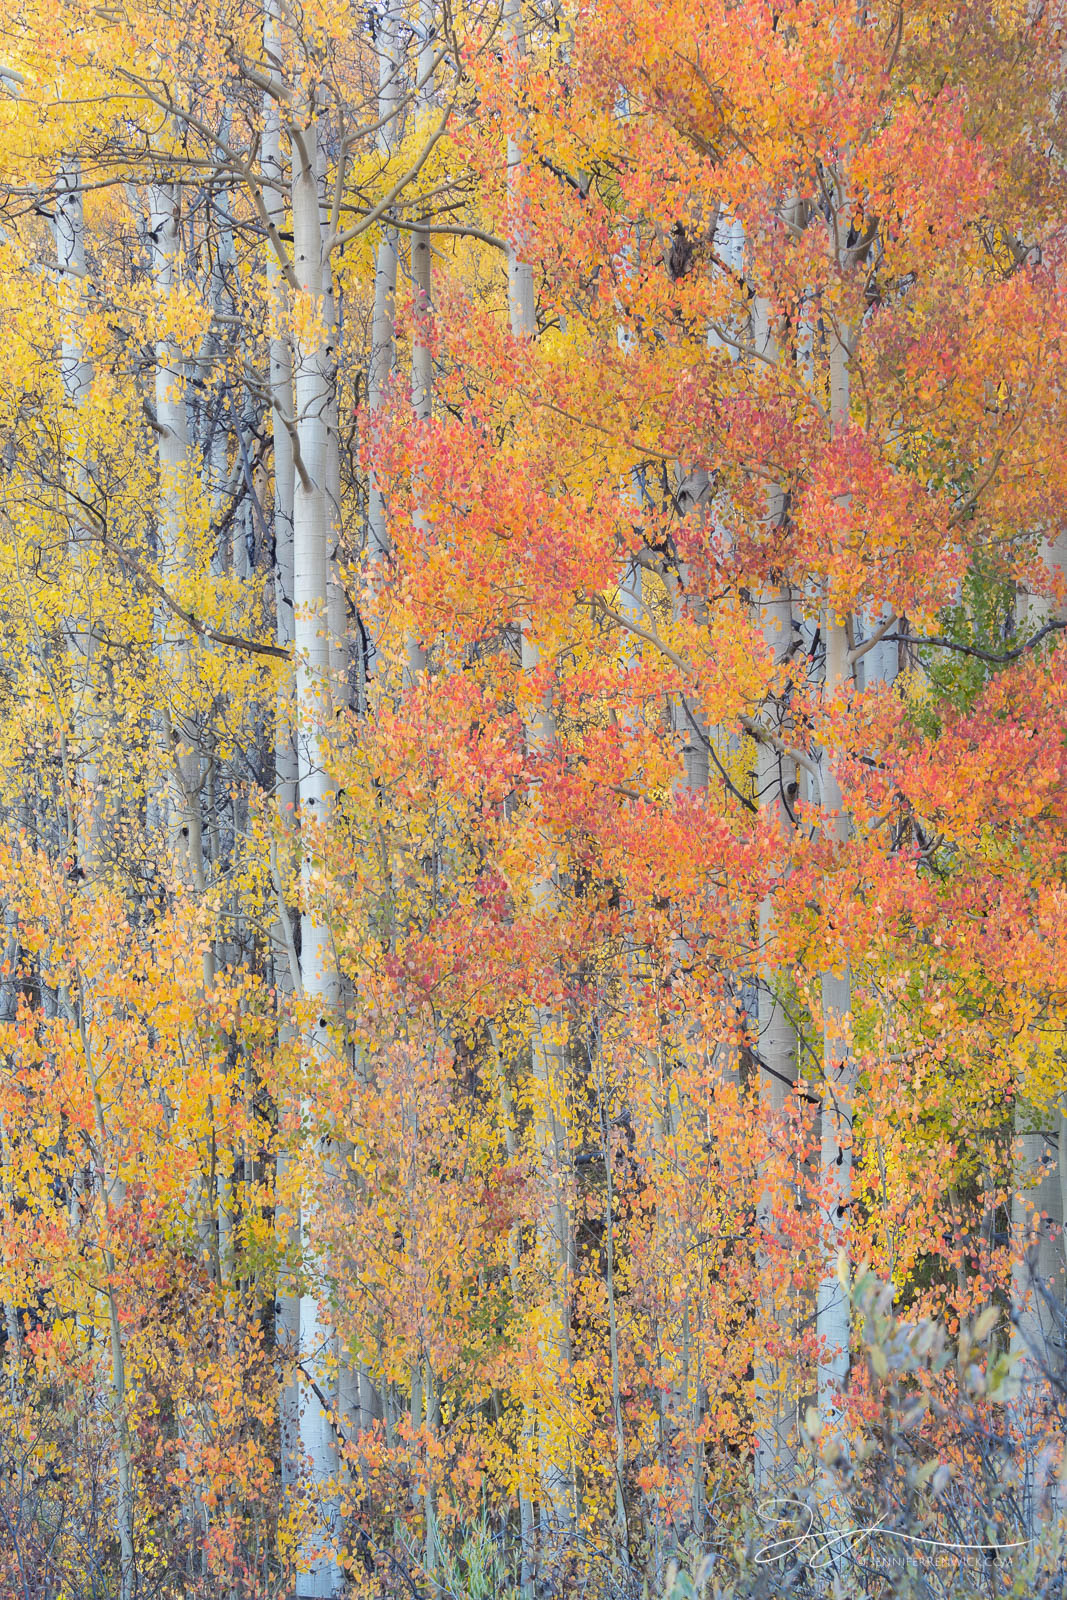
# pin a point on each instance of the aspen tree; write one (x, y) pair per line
(777, 1042)
(839, 1071)
(312, 362)
(186, 829)
(383, 321)
(282, 417)
(1038, 1209)
(69, 230)
(555, 1230)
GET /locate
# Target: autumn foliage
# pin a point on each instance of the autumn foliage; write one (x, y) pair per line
(534, 781)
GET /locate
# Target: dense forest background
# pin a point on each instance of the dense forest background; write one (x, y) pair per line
(533, 778)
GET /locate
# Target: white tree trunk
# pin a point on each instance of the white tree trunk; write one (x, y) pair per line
(312, 379)
(839, 1068)
(421, 380)
(77, 373)
(774, 1412)
(777, 1047)
(175, 552)
(282, 413)
(383, 316)
(337, 621)
(1038, 1210)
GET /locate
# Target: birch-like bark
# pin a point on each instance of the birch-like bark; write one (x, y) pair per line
(69, 230)
(77, 374)
(422, 304)
(282, 422)
(383, 316)
(354, 1391)
(777, 1037)
(1037, 1289)
(282, 417)
(337, 622)
(1038, 1211)
(175, 550)
(313, 364)
(221, 481)
(182, 803)
(839, 1068)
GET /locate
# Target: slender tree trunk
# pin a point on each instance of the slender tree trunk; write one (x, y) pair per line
(529, 1436)
(283, 945)
(383, 316)
(693, 737)
(421, 390)
(111, 1192)
(224, 428)
(777, 1046)
(839, 1069)
(773, 1403)
(555, 1231)
(69, 229)
(839, 1083)
(8, 1012)
(221, 480)
(175, 553)
(337, 621)
(1038, 1210)
(312, 376)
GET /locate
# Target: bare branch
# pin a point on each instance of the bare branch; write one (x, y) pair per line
(976, 650)
(339, 240)
(202, 630)
(860, 650)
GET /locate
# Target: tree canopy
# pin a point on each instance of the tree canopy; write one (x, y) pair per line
(534, 783)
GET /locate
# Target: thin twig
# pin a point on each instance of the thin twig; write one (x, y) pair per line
(1056, 626)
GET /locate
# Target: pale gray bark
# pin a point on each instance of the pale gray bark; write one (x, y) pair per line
(838, 1099)
(777, 1045)
(313, 360)
(77, 374)
(777, 1050)
(221, 479)
(383, 316)
(555, 1231)
(337, 622)
(839, 1068)
(172, 434)
(877, 664)
(282, 415)
(282, 422)
(1038, 1211)
(880, 662)
(422, 306)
